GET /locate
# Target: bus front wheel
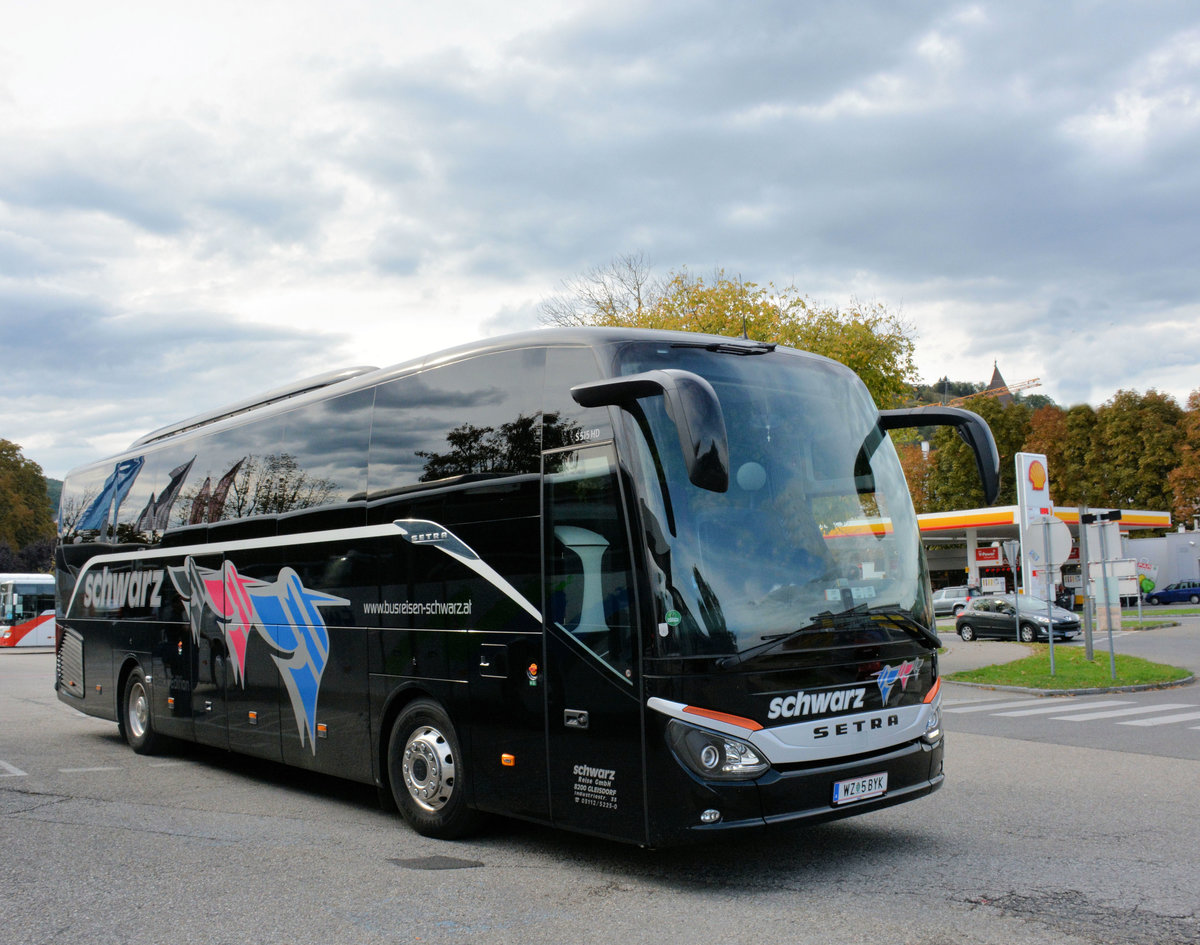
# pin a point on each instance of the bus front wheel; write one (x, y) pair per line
(426, 770)
(136, 719)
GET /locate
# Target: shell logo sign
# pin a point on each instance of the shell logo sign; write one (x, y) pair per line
(1036, 511)
(1037, 475)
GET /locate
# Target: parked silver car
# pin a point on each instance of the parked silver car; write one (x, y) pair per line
(950, 601)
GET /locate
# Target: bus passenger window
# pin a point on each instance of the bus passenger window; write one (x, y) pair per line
(588, 567)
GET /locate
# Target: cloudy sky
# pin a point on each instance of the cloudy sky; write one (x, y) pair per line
(202, 201)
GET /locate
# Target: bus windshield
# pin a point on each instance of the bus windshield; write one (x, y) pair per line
(816, 524)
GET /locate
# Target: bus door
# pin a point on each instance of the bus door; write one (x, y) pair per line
(594, 712)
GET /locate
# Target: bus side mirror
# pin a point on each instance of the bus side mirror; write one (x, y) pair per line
(692, 405)
(970, 426)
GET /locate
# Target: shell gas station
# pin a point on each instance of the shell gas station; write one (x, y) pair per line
(966, 547)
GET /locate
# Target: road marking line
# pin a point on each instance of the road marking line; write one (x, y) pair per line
(1113, 713)
(986, 706)
(1046, 710)
(84, 770)
(969, 702)
(1165, 720)
(11, 771)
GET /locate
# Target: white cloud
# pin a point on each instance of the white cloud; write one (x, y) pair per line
(1158, 103)
(315, 185)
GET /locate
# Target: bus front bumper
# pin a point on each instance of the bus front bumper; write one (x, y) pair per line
(807, 793)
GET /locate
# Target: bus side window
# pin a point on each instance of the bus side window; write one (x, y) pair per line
(588, 576)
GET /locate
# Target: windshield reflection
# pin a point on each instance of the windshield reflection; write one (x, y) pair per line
(817, 520)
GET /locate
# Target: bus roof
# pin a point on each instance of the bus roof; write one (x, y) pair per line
(345, 380)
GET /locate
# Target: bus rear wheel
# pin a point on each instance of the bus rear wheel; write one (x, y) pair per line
(426, 770)
(136, 715)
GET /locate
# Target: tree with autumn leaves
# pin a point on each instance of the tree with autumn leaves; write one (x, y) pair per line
(26, 519)
(1134, 451)
(875, 343)
(1121, 455)
(1184, 479)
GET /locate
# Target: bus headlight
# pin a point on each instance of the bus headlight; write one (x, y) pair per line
(933, 725)
(712, 755)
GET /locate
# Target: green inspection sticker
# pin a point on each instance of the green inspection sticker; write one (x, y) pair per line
(674, 618)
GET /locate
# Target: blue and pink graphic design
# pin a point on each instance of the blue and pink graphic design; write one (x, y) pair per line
(283, 612)
(887, 677)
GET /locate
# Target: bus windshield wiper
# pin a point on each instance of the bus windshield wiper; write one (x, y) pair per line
(860, 616)
(902, 621)
(823, 621)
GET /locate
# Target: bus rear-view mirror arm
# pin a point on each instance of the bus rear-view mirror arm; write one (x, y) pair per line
(970, 426)
(692, 405)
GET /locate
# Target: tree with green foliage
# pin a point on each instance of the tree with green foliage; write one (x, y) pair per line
(1134, 448)
(873, 342)
(944, 389)
(1184, 479)
(1083, 485)
(954, 479)
(25, 515)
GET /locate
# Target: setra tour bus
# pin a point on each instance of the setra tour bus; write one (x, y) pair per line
(645, 585)
(26, 609)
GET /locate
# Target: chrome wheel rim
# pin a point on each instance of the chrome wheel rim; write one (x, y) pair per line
(139, 710)
(428, 768)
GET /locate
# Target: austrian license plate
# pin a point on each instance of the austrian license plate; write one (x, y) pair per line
(859, 789)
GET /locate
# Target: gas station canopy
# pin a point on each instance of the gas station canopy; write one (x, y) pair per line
(1001, 523)
(977, 529)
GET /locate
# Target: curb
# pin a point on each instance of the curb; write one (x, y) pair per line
(1148, 687)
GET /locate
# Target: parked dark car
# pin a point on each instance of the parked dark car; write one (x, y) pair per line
(952, 600)
(1174, 593)
(995, 616)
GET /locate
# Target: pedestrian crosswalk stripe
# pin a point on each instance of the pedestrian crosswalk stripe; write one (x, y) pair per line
(1114, 713)
(988, 706)
(1046, 710)
(1165, 720)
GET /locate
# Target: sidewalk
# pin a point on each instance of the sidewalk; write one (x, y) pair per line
(961, 656)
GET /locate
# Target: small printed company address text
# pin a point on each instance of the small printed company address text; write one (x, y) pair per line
(594, 787)
(391, 608)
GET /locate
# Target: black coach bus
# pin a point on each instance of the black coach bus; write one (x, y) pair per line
(644, 585)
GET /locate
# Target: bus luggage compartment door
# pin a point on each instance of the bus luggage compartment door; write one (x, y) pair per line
(595, 725)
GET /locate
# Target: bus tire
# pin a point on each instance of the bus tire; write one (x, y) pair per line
(135, 718)
(427, 772)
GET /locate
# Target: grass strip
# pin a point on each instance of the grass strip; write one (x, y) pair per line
(1072, 671)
